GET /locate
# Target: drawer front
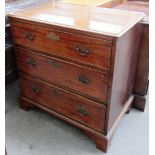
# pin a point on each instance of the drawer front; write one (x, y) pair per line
(77, 108)
(84, 80)
(84, 49)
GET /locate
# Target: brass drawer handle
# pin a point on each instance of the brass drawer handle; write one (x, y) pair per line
(57, 92)
(29, 36)
(83, 111)
(83, 51)
(31, 62)
(54, 63)
(83, 79)
(35, 90)
(52, 36)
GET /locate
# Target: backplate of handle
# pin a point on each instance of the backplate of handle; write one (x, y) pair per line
(29, 36)
(83, 51)
(82, 110)
(56, 92)
(52, 36)
(35, 90)
(54, 63)
(83, 79)
(31, 62)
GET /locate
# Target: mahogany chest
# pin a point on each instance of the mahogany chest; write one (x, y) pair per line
(78, 63)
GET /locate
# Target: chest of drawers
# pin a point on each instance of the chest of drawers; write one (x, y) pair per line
(78, 66)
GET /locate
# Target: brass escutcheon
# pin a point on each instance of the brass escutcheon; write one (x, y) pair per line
(83, 111)
(52, 36)
(54, 63)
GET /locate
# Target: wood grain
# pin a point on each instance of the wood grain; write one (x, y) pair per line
(64, 74)
(64, 102)
(85, 18)
(123, 72)
(141, 83)
(74, 87)
(99, 50)
(142, 72)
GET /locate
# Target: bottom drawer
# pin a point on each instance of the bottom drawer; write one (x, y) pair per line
(73, 106)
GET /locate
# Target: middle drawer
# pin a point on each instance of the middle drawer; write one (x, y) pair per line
(85, 81)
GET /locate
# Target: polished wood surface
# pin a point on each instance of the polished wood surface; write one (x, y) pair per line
(76, 107)
(126, 54)
(141, 86)
(91, 19)
(142, 79)
(87, 81)
(141, 83)
(85, 49)
(101, 88)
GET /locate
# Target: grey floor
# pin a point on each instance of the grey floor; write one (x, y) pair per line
(38, 133)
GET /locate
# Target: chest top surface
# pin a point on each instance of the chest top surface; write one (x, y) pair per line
(91, 19)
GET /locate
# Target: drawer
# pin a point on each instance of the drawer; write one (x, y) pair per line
(83, 80)
(92, 51)
(73, 106)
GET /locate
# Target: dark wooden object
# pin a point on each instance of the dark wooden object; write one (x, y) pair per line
(141, 83)
(10, 62)
(75, 70)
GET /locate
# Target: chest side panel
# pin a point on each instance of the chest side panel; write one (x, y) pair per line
(123, 69)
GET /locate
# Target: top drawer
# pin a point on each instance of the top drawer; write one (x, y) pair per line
(93, 51)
